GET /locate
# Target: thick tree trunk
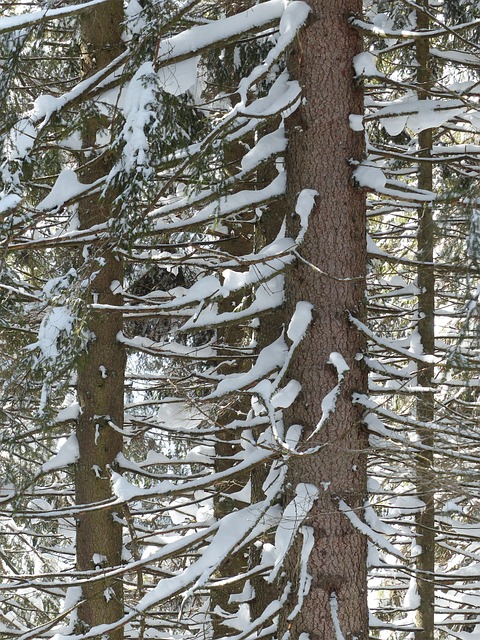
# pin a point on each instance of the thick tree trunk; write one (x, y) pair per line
(321, 144)
(426, 328)
(101, 370)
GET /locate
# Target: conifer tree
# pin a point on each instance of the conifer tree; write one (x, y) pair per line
(327, 284)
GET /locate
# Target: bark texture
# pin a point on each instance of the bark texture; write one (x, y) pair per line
(321, 145)
(426, 328)
(100, 383)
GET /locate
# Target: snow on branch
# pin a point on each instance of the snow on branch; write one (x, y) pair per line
(304, 577)
(330, 400)
(409, 34)
(33, 18)
(390, 344)
(198, 38)
(269, 391)
(292, 519)
(372, 535)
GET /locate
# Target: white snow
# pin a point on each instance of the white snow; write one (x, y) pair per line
(364, 65)
(240, 620)
(392, 344)
(14, 22)
(282, 95)
(198, 37)
(182, 510)
(269, 359)
(330, 400)
(225, 206)
(56, 285)
(21, 140)
(418, 115)
(268, 145)
(109, 593)
(116, 288)
(287, 395)
(412, 598)
(356, 122)
(67, 186)
(201, 454)
(334, 613)
(370, 177)
(375, 537)
(300, 321)
(68, 413)
(57, 320)
(72, 597)
(372, 519)
(137, 102)
(231, 529)
(67, 454)
(44, 106)
(9, 201)
(303, 208)
(292, 18)
(304, 578)
(134, 17)
(292, 519)
(154, 457)
(178, 78)
(406, 505)
(99, 559)
(451, 506)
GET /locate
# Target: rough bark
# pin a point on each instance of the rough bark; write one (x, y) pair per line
(321, 145)
(425, 520)
(100, 382)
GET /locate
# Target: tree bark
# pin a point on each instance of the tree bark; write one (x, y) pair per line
(100, 383)
(425, 404)
(321, 145)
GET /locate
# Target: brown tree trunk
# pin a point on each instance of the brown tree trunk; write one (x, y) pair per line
(100, 383)
(231, 338)
(226, 446)
(425, 561)
(321, 144)
(270, 328)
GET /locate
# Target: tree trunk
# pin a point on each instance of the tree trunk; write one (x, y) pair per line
(426, 328)
(231, 338)
(270, 328)
(100, 383)
(321, 144)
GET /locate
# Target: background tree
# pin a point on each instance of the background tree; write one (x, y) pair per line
(416, 312)
(135, 190)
